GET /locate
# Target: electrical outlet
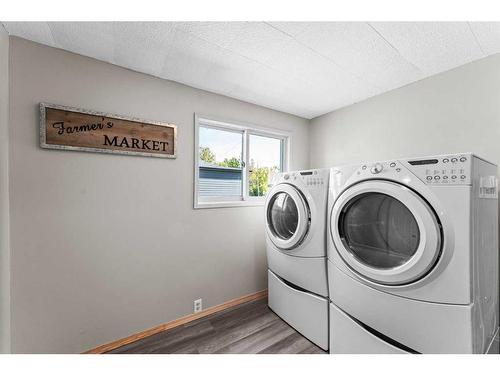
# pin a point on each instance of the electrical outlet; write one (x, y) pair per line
(198, 305)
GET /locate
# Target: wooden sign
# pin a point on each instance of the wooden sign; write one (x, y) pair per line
(66, 128)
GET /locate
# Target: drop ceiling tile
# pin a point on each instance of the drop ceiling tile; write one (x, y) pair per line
(185, 61)
(154, 35)
(140, 58)
(36, 31)
(142, 46)
(194, 60)
(265, 88)
(432, 46)
(299, 62)
(357, 48)
(305, 66)
(258, 41)
(301, 68)
(301, 97)
(265, 80)
(488, 36)
(291, 28)
(219, 33)
(93, 39)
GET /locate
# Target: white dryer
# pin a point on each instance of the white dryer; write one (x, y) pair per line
(296, 251)
(413, 254)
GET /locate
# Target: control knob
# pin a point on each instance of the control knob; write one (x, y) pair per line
(377, 168)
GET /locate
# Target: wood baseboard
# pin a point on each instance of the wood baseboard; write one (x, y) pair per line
(177, 322)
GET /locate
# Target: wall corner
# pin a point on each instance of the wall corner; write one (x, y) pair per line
(5, 251)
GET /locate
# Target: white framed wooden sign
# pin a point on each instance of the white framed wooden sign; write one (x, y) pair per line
(68, 128)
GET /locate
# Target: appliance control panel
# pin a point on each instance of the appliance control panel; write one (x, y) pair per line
(436, 170)
(443, 170)
(379, 169)
(311, 178)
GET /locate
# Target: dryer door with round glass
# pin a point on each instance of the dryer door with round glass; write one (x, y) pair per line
(386, 232)
(287, 217)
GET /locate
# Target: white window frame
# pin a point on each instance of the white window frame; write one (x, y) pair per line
(246, 129)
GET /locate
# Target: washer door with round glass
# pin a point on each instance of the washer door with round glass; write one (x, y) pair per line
(386, 232)
(287, 217)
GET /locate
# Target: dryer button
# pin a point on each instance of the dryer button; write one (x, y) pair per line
(377, 168)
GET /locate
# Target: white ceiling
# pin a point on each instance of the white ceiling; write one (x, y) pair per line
(303, 68)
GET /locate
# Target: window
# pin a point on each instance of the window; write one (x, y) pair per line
(265, 159)
(234, 162)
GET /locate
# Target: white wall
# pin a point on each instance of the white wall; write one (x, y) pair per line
(102, 245)
(455, 111)
(4, 194)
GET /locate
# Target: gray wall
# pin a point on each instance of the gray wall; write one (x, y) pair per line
(4, 194)
(455, 111)
(107, 245)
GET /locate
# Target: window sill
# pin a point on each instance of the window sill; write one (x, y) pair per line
(247, 203)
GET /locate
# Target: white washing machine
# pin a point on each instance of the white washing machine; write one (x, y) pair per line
(413, 255)
(296, 251)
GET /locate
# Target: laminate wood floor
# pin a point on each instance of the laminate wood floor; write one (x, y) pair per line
(248, 328)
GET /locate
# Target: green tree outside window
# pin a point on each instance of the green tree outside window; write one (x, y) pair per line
(207, 155)
(258, 176)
